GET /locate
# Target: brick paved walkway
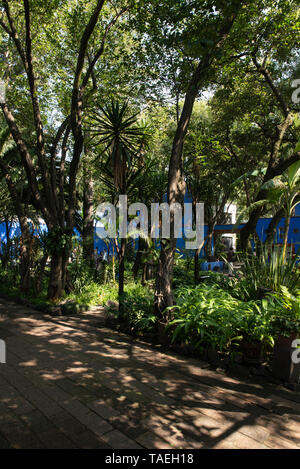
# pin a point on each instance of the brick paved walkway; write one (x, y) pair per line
(68, 384)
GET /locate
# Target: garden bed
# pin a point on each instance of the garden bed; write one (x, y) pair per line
(61, 309)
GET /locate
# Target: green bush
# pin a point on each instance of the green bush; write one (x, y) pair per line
(137, 308)
(207, 316)
(286, 312)
(182, 272)
(268, 270)
(81, 275)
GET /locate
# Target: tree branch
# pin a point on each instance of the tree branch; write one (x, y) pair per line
(13, 33)
(265, 72)
(53, 152)
(35, 104)
(26, 159)
(76, 109)
(101, 49)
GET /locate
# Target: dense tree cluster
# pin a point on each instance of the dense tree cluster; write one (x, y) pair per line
(143, 98)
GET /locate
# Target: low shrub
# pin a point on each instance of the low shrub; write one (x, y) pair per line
(209, 317)
(137, 309)
(269, 270)
(286, 312)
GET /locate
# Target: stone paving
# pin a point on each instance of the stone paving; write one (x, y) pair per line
(72, 383)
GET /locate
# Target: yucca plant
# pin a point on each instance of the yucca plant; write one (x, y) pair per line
(115, 128)
(116, 134)
(285, 191)
(269, 270)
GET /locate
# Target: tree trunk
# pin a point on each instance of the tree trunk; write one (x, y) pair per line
(196, 266)
(249, 228)
(25, 256)
(138, 258)
(113, 262)
(55, 286)
(286, 233)
(163, 288)
(209, 240)
(6, 252)
(41, 273)
(88, 218)
(67, 285)
(24, 268)
(176, 186)
(271, 230)
(121, 274)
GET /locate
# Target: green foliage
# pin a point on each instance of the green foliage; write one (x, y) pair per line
(206, 316)
(81, 275)
(8, 278)
(57, 240)
(137, 309)
(115, 132)
(182, 273)
(268, 270)
(286, 312)
(88, 294)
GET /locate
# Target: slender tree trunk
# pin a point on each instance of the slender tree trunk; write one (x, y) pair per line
(138, 258)
(25, 257)
(196, 265)
(6, 253)
(113, 260)
(271, 231)
(88, 217)
(67, 285)
(176, 185)
(41, 273)
(275, 167)
(163, 288)
(285, 236)
(55, 286)
(121, 274)
(209, 239)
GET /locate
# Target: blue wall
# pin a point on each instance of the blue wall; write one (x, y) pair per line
(262, 225)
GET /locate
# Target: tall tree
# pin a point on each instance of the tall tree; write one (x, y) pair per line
(46, 181)
(218, 28)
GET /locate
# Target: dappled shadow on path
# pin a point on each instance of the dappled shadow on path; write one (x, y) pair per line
(154, 399)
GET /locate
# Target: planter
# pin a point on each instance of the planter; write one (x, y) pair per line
(283, 366)
(164, 334)
(252, 352)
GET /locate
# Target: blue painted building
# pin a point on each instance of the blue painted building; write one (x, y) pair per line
(261, 228)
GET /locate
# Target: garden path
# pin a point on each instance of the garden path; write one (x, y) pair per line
(70, 382)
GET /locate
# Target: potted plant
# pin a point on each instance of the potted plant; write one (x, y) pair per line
(286, 329)
(255, 329)
(251, 350)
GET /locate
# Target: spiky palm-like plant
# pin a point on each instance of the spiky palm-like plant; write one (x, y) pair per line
(115, 129)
